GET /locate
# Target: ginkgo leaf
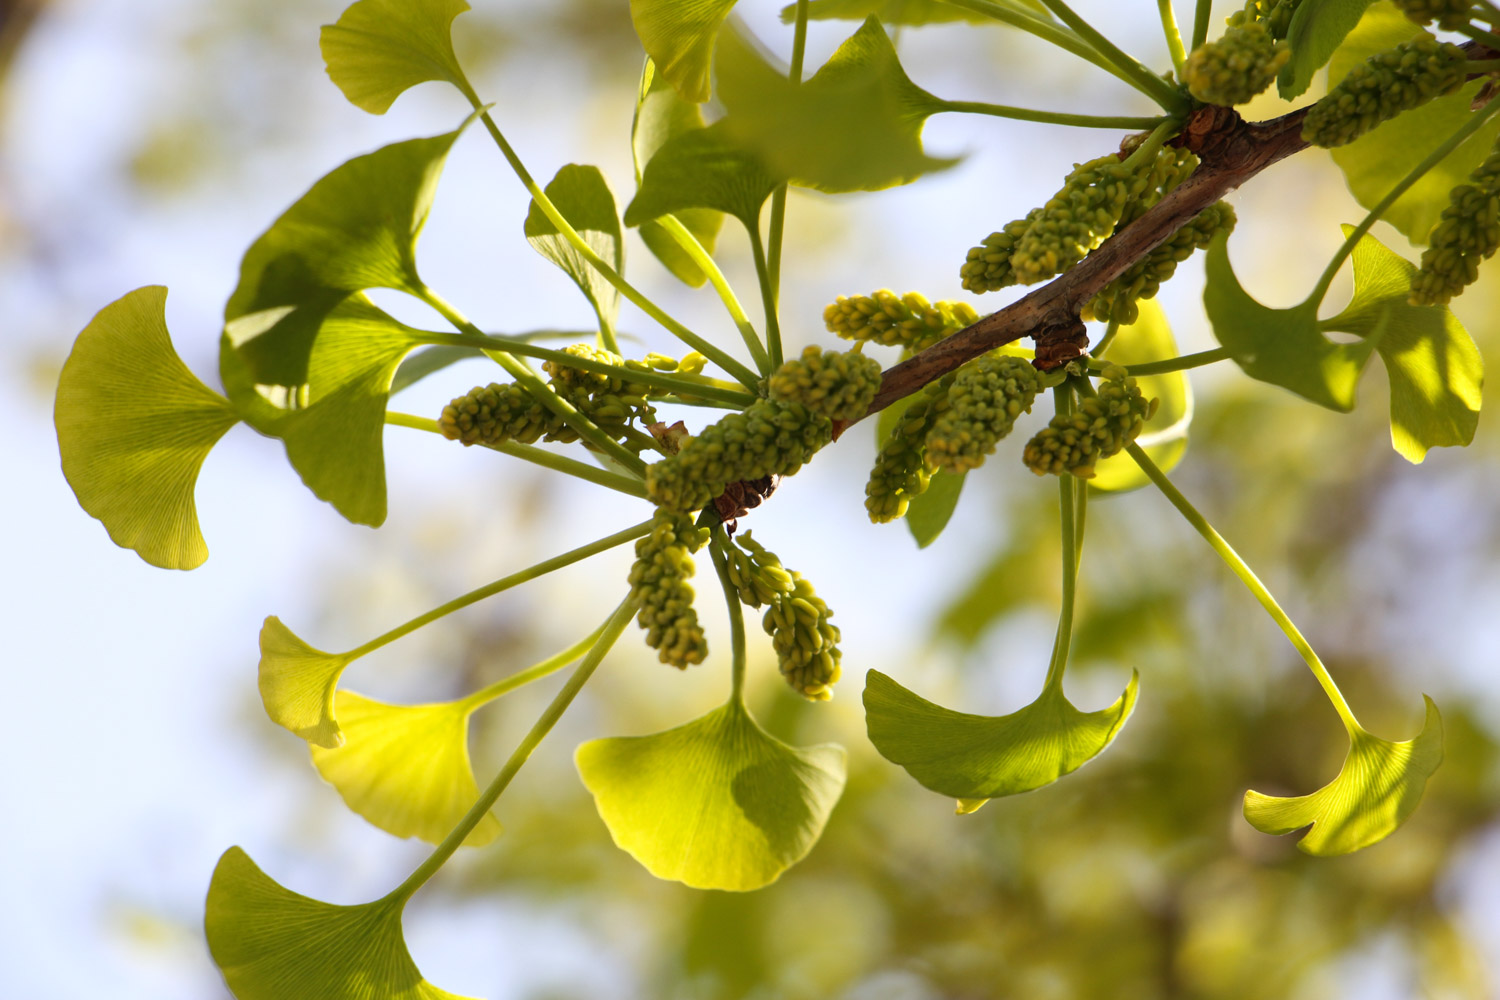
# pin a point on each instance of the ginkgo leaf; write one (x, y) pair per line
(1164, 437)
(661, 114)
(582, 196)
(1375, 162)
(679, 36)
(133, 428)
(405, 768)
(1435, 368)
(274, 944)
(905, 12)
(929, 512)
(1315, 31)
(1379, 786)
(855, 125)
(716, 804)
(971, 757)
(354, 229)
(704, 168)
(380, 48)
(1284, 347)
(297, 684)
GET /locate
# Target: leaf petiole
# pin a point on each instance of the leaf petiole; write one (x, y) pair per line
(689, 243)
(1070, 508)
(1173, 35)
(1163, 93)
(535, 672)
(778, 197)
(1167, 365)
(1201, 18)
(1137, 123)
(737, 653)
(767, 297)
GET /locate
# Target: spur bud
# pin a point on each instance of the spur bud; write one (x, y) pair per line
(1467, 233)
(908, 320)
(658, 578)
(1383, 86)
(981, 407)
(1236, 66)
(838, 385)
(1100, 426)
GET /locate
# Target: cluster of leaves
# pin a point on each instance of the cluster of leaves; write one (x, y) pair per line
(718, 802)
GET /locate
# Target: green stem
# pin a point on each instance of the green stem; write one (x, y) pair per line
(737, 655)
(1483, 65)
(1137, 123)
(1045, 29)
(1168, 365)
(1252, 582)
(504, 583)
(1163, 93)
(696, 385)
(538, 456)
(741, 374)
(767, 298)
(778, 197)
(611, 632)
(1151, 147)
(1110, 332)
(1475, 122)
(536, 672)
(541, 391)
(1480, 35)
(607, 333)
(1062, 397)
(1201, 18)
(1174, 36)
(710, 267)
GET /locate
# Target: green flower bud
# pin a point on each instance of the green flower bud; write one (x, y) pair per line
(609, 400)
(1145, 277)
(1467, 233)
(987, 267)
(986, 397)
(769, 438)
(1076, 219)
(501, 411)
(1449, 14)
(1100, 427)
(663, 565)
(902, 470)
(1383, 86)
(756, 573)
(1236, 66)
(806, 642)
(907, 321)
(834, 384)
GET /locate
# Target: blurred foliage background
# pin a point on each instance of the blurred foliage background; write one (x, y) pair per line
(151, 145)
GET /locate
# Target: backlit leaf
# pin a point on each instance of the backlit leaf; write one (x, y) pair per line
(405, 768)
(1378, 160)
(856, 125)
(1164, 437)
(1284, 347)
(1379, 786)
(380, 48)
(971, 757)
(297, 684)
(905, 12)
(356, 228)
(716, 804)
(679, 36)
(660, 115)
(583, 198)
(705, 168)
(929, 512)
(1435, 369)
(134, 426)
(274, 944)
(1315, 32)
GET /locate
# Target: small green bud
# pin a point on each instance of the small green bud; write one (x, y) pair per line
(1467, 233)
(902, 470)
(756, 573)
(1117, 301)
(1450, 15)
(980, 408)
(1236, 66)
(1100, 427)
(806, 642)
(908, 321)
(501, 411)
(663, 565)
(1383, 86)
(838, 385)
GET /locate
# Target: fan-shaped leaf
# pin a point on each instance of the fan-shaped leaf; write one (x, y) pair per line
(1435, 369)
(661, 115)
(930, 511)
(679, 36)
(1164, 437)
(356, 228)
(133, 428)
(984, 757)
(297, 684)
(704, 168)
(274, 944)
(379, 48)
(405, 768)
(1379, 786)
(1315, 32)
(582, 196)
(856, 125)
(1284, 347)
(716, 804)
(1377, 161)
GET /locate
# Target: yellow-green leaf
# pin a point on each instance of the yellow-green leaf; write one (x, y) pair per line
(1314, 34)
(274, 944)
(1164, 437)
(716, 804)
(1379, 786)
(969, 757)
(582, 196)
(297, 684)
(134, 426)
(660, 115)
(380, 48)
(704, 168)
(405, 768)
(679, 36)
